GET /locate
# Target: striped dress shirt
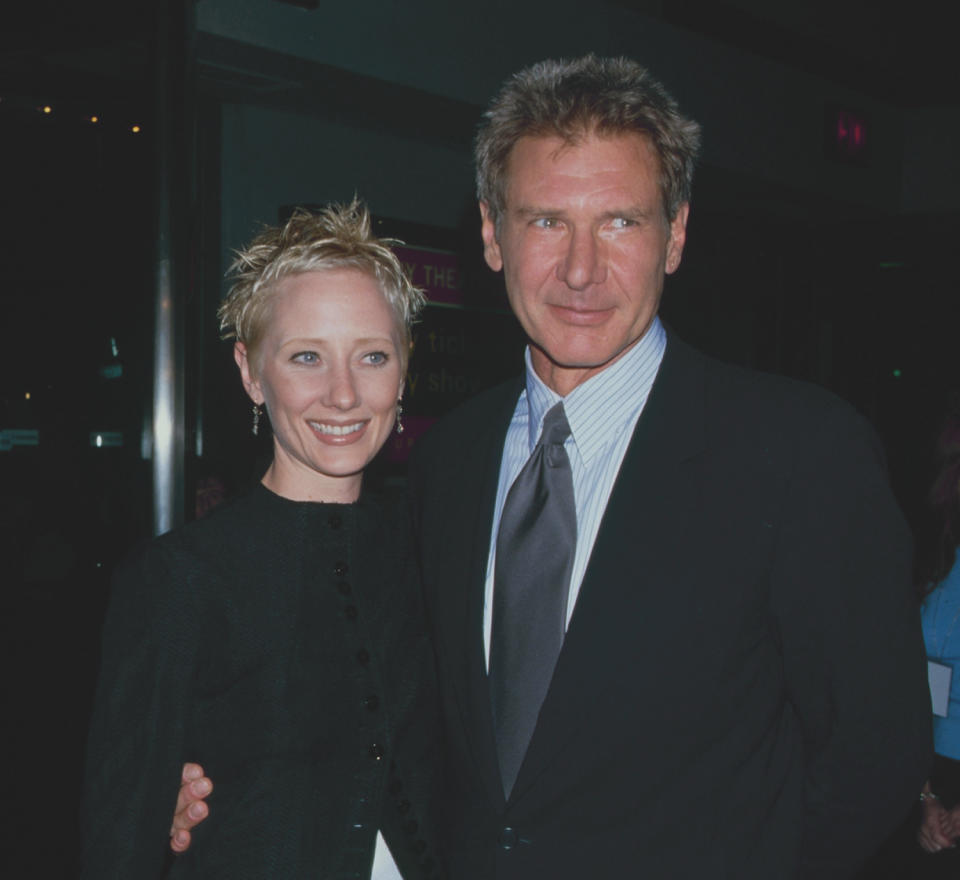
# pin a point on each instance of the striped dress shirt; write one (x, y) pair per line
(602, 413)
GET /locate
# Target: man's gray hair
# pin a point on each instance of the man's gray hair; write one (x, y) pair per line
(575, 99)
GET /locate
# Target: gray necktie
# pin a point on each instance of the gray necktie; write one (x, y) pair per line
(535, 547)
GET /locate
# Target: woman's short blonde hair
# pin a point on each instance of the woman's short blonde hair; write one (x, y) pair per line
(337, 237)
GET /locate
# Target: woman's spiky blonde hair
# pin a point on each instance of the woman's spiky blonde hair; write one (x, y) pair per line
(337, 237)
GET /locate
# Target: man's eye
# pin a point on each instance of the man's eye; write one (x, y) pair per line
(622, 222)
(546, 222)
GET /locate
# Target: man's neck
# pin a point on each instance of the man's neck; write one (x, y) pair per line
(562, 379)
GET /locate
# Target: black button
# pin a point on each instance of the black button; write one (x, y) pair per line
(363, 656)
(508, 838)
(420, 846)
(375, 751)
(372, 702)
(340, 569)
(350, 611)
(404, 806)
(344, 588)
(396, 786)
(410, 827)
(334, 522)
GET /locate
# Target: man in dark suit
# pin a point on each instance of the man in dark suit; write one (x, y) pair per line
(740, 687)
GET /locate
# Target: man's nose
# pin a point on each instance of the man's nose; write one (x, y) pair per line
(584, 262)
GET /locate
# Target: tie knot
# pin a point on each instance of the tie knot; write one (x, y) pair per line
(555, 428)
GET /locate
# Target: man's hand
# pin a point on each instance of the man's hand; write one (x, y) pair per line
(935, 827)
(191, 809)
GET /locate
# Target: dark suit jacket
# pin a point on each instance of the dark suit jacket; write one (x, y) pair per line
(741, 692)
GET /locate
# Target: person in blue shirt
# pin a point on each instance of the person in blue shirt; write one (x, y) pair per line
(939, 576)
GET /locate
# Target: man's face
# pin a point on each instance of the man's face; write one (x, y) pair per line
(584, 245)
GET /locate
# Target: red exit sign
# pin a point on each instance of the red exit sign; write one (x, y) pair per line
(846, 137)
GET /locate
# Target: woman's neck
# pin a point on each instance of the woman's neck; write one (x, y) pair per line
(304, 485)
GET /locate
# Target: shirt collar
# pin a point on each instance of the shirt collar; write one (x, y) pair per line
(601, 407)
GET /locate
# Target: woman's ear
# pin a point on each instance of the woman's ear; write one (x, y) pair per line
(251, 385)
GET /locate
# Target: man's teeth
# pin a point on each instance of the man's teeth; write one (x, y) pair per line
(336, 430)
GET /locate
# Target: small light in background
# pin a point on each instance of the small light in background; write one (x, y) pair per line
(135, 129)
(46, 109)
(106, 439)
(26, 396)
(897, 373)
(94, 119)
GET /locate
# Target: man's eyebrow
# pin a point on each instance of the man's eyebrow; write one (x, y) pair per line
(632, 212)
(536, 211)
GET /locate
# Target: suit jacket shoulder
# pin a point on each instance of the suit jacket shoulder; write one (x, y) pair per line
(769, 405)
(466, 424)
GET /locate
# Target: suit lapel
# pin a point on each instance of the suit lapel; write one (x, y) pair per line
(656, 486)
(465, 608)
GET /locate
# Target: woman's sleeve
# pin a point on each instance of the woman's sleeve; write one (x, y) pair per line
(134, 748)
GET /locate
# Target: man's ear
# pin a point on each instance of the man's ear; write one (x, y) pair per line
(488, 232)
(251, 385)
(678, 237)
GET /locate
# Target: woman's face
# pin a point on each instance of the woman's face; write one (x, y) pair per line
(328, 367)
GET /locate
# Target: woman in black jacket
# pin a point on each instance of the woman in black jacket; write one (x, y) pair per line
(280, 640)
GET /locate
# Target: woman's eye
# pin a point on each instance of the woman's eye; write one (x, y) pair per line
(377, 358)
(306, 357)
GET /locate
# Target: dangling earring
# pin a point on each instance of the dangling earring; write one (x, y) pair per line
(399, 415)
(256, 419)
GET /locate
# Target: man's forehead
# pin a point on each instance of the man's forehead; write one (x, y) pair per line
(588, 156)
(552, 146)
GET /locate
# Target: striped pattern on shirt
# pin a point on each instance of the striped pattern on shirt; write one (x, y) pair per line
(602, 413)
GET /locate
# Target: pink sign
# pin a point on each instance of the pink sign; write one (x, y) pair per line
(434, 271)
